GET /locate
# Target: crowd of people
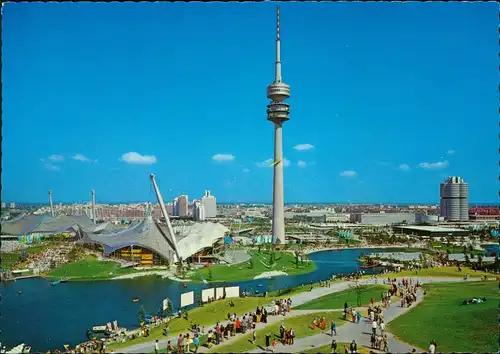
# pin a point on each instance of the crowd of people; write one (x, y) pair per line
(48, 258)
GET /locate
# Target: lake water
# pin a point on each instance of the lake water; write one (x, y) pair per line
(46, 317)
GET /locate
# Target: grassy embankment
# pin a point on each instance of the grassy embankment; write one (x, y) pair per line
(337, 300)
(455, 327)
(89, 268)
(259, 263)
(451, 271)
(9, 259)
(300, 324)
(438, 246)
(207, 315)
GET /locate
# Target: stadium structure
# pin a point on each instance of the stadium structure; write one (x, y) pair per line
(145, 242)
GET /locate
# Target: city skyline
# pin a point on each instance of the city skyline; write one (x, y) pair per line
(379, 115)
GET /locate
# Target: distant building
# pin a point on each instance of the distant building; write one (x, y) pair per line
(454, 193)
(175, 207)
(209, 205)
(382, 218)
(12, 205)
(3, 205)
(421, 218)
(198, 211)
(183, 206)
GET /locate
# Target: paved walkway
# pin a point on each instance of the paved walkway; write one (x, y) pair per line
(352, 331)
(348, 332)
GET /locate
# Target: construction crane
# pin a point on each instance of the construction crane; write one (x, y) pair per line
(167, 219)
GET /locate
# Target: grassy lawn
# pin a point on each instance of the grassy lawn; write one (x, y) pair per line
(89, 269)
(340, 349)
(300, 324)
(207, 315)
(260, 263)
(455, 249)
(455, 327)
(11, 258)
(440, 272)
(337, 300)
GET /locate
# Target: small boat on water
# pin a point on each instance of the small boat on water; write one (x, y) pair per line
(185, 285)
(19, 292)
(55, 282)
(64, 280)
(136, 299)
(21, 348)
(367, 266)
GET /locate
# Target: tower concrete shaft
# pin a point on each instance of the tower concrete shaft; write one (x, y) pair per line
(277, 112)
(51, 205)
(94, 218)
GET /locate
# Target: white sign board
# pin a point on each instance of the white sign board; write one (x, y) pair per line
(219, 293)
(187, 299)
(233, 291)
(207, 293)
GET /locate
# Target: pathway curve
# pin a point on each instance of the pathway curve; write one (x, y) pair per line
(305, 343)
(348, 332)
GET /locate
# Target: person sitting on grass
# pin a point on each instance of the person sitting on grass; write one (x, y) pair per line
(313, 324)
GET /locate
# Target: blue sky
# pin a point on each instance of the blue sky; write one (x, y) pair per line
(387, 100)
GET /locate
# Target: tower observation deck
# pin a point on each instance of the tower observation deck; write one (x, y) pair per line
(277, 112)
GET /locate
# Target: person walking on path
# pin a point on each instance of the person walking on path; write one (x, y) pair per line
(157, 347)
(353, 347)
(334, 346)
(359, 316)
(374, 327)
(333, 328)
(382, 327)
(432, 348)
(274, 344)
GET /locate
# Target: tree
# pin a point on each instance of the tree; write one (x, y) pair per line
(142, 314)
(250, 263)
(479, 260)
(467, 259)
(168, 312)
(358, 288)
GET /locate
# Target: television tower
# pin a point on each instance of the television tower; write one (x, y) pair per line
(277, 112)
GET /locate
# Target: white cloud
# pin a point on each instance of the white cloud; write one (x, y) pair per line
(269, 163)
(450, 152)
(348, 173)
(433, 165)
(51, 167)
(223, 157)
(303, 147)
(82, 158)
(56, 158)
(135, 158)
(404, 167)
(301, 164)
(246, 170)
